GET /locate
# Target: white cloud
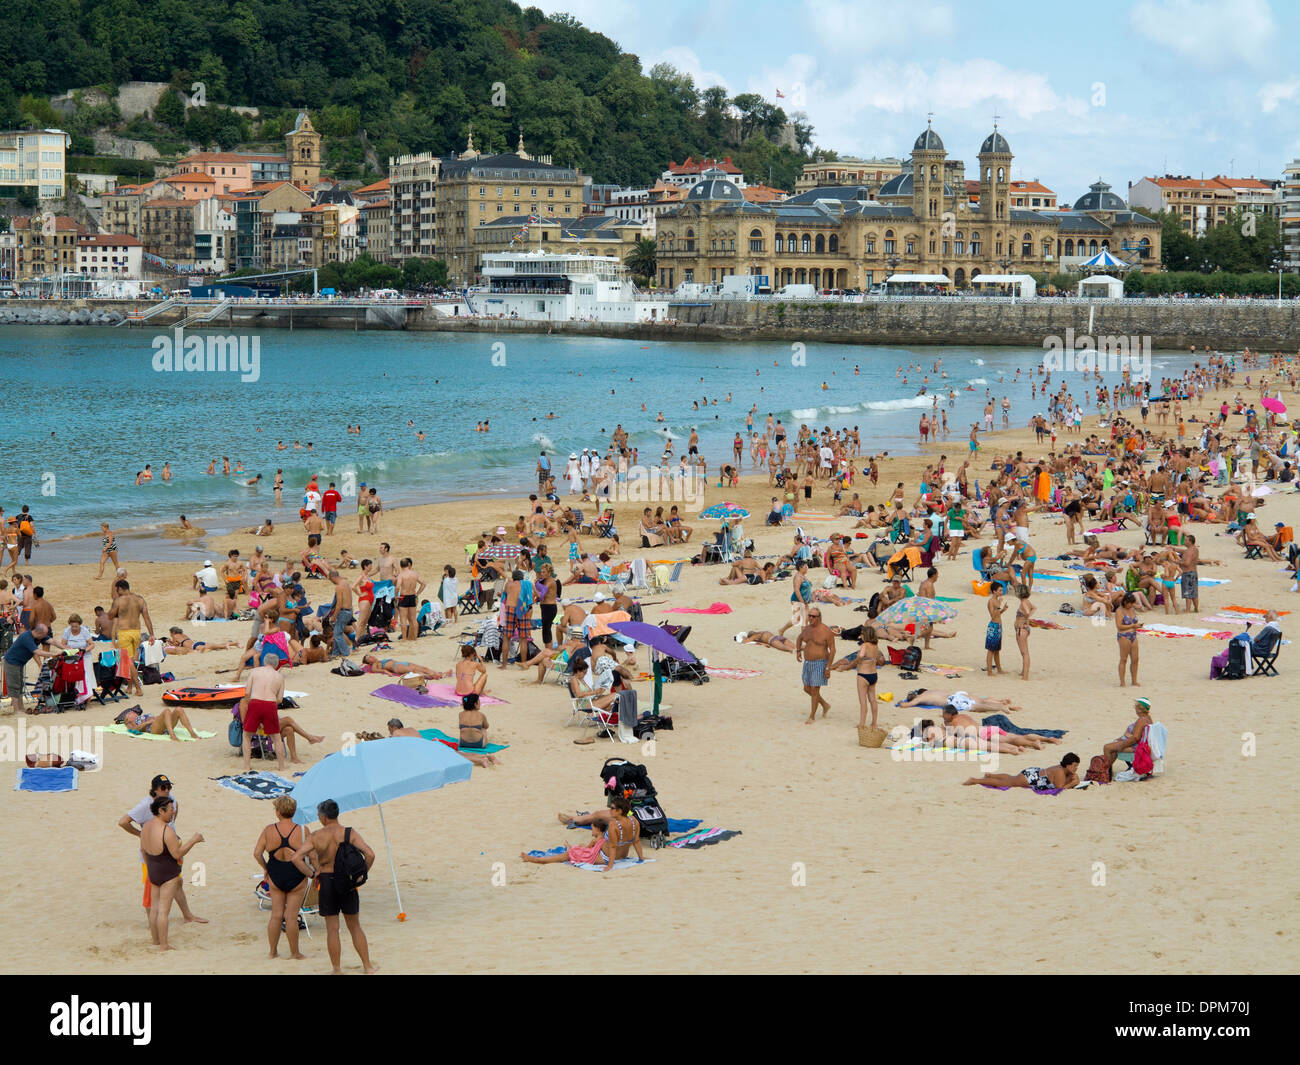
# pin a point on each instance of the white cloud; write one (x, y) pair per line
(849, 25)
(1206, 32)
(686, 60)
(1276, 92)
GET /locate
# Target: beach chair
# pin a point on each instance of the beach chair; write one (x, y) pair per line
(468, 602)
(1264, 651)
(1254, 551)
(309, 908)
(638, 570)
(659, 582)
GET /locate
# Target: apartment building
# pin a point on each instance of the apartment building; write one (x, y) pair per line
(1201, 203)
(34, 160)
(109, 255)
(871, 173)
(46, 246)
(413, 183)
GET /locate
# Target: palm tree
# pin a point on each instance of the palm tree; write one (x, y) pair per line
(640, 260)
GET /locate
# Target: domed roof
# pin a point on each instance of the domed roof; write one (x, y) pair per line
(928, 141)
(997, 143)
(713, 185)
(1099, 198)
(902, 185)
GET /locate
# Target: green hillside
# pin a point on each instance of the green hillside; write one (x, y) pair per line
(409, 73)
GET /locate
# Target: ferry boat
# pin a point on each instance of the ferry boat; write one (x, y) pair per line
(561, 287)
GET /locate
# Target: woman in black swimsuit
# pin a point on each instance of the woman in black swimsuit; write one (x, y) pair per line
(163, 851)
(868, 662)
(287, 883)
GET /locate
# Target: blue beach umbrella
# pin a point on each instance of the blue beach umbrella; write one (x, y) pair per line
(375, 772)
(724, 510)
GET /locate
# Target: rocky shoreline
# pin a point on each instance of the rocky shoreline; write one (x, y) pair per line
(55, 316)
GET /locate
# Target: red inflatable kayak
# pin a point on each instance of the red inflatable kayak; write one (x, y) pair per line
(204, 696)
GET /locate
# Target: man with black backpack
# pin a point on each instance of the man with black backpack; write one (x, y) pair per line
(343, 862)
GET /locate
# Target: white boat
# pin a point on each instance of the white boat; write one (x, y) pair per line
(549, 287)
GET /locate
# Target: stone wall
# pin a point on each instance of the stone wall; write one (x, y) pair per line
(1228, 324)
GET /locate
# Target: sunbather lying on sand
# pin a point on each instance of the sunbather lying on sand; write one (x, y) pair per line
(395, 667)
(767, 639)
(180, 644)
(163, 722)
(1065, 775)
(963, 701)
(962, 725)
(396, 728)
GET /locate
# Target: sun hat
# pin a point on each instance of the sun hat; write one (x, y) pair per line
(599, 597)
(573, 454)
(1143, 702)
(740, 637)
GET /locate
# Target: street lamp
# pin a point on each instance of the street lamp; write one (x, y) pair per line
(1279, 260)
(893, 262)
(1005, 264)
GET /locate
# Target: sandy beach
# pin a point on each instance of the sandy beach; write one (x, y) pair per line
(849, 859)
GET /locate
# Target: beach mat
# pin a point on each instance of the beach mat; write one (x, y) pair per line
(622, 863)
(399, 693)
(181, 733)
(1182, 631)
(439, 736)
(732, 674)
(259, 785)
(63, 778)
(712, 608)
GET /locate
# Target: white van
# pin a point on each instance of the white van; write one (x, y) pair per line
(385, 294)
(794, 292)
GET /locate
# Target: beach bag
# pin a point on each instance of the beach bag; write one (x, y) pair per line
(350, 870)
(348, 669)
(869, 736)
(150, 675)
(1143, 763)
(873, 605)
(1098, 770)
(911, 659)
(651, 818)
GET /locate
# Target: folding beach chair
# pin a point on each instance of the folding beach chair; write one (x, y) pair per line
(659, 582)
(1264, 651)
(309, 908)
(468, 601)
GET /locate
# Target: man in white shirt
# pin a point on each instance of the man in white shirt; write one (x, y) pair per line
(311, 501)
(206, 580)
(584, 469)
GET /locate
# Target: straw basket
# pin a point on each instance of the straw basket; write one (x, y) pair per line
(871, 737)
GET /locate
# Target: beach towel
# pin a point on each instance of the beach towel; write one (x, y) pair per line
(1253, 611)
(1043, 623)
(732, 674)
(181, 732)
(705, 837)
(62, 779)
(1048, 791)
(713, 608)
(622, 863)
(398, 693)
(808, 515)
(454, 741)
(152, 654)
(259, 785)
(1006, 725)
(448, 691)
(938, 667)
(1174, 631)
(675, 826)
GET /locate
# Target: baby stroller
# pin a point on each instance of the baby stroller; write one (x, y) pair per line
(676, 669)
(633, 782)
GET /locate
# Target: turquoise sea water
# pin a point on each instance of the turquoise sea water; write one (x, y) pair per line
(85, 410)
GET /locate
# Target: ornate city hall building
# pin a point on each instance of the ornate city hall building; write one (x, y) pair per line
(921, 222)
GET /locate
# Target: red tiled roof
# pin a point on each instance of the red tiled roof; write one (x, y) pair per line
(117, 240)
(694, 166)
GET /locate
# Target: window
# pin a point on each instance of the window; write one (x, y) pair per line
(516, 193)
(1027, 246)
(756, 240)
(889, 247)
(805, 243)
(820, 244)
(568, 194)
(1069, 247)
(834, 243)
(482, 190)
(690, 239)
(533, 193)
(911, 245)
(550, 193)
(779, 242)
(500, 192)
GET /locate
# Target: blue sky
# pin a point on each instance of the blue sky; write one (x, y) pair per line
(1117, 88)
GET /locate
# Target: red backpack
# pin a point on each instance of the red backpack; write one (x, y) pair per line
(1143, 763)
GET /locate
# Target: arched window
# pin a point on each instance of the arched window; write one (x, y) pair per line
(756, 240)
(889, 242)
(834, 243)
(959, 244)
(974, 243)
(1069, 247)
(1144, 247)
(1001, 174)
(934, 172)
(779, 242)
(690, 240)
(1092, 247)
(1027, 246)
(820, 244)
(805, 244)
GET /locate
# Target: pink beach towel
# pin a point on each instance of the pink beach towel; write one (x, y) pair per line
(448, 691)
(714, 608)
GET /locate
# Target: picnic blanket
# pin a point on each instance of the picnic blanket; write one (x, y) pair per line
(454, 742)
(712, 608)
(259, 785)
(1006, 725)
(399, 693)
(181, 733)
(705, 837)
(63, 778)
(732, 674)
